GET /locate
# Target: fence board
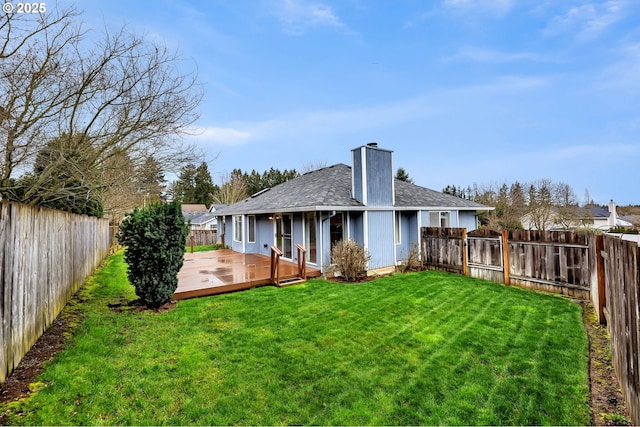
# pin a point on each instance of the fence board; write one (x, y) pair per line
(45, 256)
(622, 277)
(202, 237)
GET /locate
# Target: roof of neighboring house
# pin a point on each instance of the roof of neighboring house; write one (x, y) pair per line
(215, 207)
(190, 208)
(330, 189)
(199, 218)
(633, 219)
(598, 211)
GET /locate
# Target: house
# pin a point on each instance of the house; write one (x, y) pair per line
(596, 217)
(200, 217)
(363, 202)
(193, 208)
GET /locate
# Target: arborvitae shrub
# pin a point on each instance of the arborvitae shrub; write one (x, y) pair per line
(155, 240)
(350, 259)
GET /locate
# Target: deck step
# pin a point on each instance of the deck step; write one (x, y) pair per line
(292, 281)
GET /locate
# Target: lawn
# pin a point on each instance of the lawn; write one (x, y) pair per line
(426, 348)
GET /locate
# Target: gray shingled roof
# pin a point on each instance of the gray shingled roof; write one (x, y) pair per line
(198, 218)
(330, 189)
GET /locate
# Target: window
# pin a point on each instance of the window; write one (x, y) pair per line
(237, 228)
(252, 229)
(444, 219)
(397, 229)
(439, 219)
(310, 237)
(336, 228)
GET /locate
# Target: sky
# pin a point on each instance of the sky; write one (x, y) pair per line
(462, 91)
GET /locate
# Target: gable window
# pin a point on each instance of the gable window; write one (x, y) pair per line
(439, 219)
(444, 219)
(237, 228)
(251, 228)
(397, 229)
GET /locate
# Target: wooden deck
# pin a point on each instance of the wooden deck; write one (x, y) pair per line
(221, 271)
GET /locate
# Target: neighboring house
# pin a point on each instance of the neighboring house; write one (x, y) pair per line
(201, 218)
(596, 217)
(363, 202)
(202, 221)
(192, 208)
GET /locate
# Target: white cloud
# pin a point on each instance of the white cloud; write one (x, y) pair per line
(221, 135)
(474, 54)
(298, 16)
(624, 73)
(500, 7)
(340, 122)
(594, 151)
(587, 21)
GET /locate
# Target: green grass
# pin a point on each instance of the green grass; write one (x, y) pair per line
(425, 348)
(203, 248)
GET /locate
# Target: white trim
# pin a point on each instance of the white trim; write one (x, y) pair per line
(365, 189)
(365, 226)
(234, 220)
(419, 240)
(365, 233)
(393, 182)
(397, 228)
(365, 208)
(347, 220)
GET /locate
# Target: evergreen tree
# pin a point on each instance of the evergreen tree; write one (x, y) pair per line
(203, 186)
(150, 180)
(64, 177)
(402, 175)
(154, 238)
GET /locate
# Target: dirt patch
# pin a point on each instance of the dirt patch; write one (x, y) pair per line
(607, 402)
(122, 305)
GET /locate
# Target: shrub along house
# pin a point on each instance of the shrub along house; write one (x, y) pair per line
(363, 202)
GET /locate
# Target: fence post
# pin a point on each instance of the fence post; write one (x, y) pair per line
(505, 257)
(465, 261)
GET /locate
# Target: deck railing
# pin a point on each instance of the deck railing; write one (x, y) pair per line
(302, 262)
(275, 264)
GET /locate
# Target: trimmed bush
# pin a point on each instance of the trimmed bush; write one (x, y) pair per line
(350, 259)
(154, 238)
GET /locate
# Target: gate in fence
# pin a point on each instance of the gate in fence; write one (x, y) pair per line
(485, 255)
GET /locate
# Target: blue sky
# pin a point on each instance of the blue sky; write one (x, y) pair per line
(463, 91)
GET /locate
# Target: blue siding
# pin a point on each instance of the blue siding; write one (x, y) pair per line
(379, 177)
(356, 227)
(409, 234)
(468, 220)
(325, 239)
(264, 236)
(381, 245)
(374, 178)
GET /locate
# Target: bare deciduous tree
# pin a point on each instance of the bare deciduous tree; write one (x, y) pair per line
(233, 190)
(120, 94)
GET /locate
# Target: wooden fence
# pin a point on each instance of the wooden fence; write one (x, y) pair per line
(45, 256)
(622, 278)
(603, 269)
(551, 261)
(202, 237)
